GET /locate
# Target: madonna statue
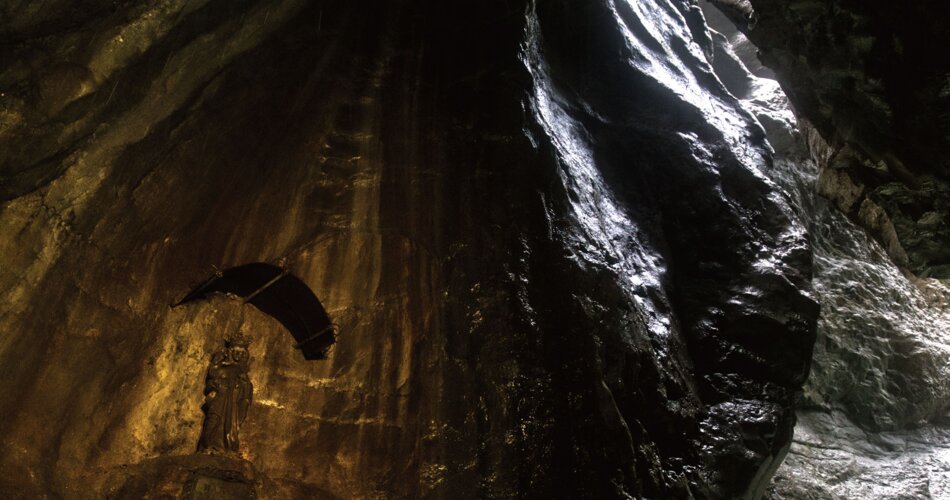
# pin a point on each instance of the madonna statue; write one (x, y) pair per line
(227, 396)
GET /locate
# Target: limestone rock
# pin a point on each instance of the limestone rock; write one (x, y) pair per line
(868, 76)
(872, 419)
(186, 477)
(543, 229)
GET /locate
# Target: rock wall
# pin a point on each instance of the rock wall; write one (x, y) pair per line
(873, 80)
(543, 230)
(872, 419)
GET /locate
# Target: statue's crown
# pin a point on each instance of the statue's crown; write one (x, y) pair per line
(237, 340)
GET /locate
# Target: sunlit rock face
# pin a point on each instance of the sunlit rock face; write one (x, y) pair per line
(872, 421)
(543, 230)
(872, 77)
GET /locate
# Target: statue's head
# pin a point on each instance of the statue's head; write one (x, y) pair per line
(237, 340)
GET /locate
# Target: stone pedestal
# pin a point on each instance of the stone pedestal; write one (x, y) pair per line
(199, 476)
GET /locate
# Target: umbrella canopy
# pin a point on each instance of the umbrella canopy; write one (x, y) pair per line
(277, 293)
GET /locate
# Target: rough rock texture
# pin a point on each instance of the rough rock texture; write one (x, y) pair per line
(543, 230)
(833, 459)
(874, 80)
(201, 476)
(872, 421)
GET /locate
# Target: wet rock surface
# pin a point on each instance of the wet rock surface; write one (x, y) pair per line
(192, 477)
(872, 420)
(543, 230)
(831, 458)
(871, 79)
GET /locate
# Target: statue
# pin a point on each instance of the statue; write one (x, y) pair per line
(227, 396)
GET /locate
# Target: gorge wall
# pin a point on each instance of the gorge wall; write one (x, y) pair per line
(568, 244)
(872, 420)
(870, 77)
(543, 230)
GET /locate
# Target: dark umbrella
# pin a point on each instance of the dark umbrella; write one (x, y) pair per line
(280, 294)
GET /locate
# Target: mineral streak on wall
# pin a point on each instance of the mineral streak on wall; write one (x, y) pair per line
(542, 229)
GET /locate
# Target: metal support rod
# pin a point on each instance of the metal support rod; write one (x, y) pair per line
(313, 337)
(265, 287)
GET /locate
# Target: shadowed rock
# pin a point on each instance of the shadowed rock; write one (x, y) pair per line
(544, 227)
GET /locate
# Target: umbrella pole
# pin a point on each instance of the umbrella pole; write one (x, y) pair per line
(265, 287)
(313, 337)
(197, 291)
